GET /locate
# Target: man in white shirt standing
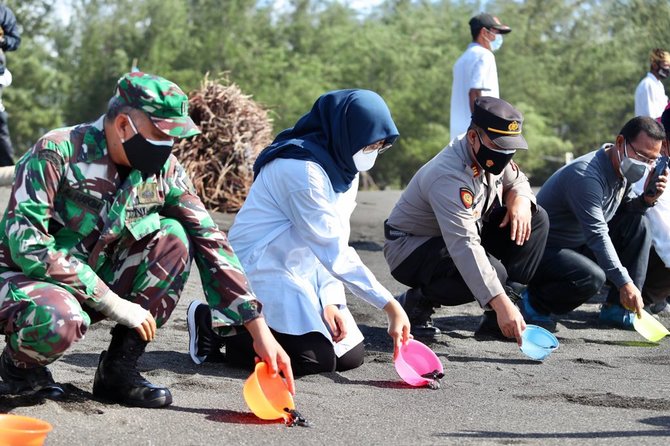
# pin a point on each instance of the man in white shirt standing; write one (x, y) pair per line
(475, 72)
(650, 97)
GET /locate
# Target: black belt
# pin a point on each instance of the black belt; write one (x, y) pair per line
(391, 233)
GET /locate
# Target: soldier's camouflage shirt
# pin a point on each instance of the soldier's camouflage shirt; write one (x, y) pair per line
(69, 210)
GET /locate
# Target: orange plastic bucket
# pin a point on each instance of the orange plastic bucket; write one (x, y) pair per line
(267, 397)
(17, 430)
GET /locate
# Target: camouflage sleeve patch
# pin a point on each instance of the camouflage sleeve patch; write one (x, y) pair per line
(249, 310)
(52, 157)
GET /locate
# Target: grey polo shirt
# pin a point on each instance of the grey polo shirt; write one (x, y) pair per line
(580, 199)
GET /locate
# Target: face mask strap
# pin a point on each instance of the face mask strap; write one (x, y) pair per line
(132, 124)
(163, 143)
(155, 142)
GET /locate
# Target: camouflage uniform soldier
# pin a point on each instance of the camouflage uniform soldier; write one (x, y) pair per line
(103, 222)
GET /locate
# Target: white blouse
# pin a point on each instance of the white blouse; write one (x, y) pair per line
(291, 236)
(658, 218)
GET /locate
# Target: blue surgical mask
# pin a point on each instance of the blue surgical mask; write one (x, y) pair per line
(496, 43)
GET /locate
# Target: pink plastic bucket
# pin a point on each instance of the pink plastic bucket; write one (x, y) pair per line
(416, 359)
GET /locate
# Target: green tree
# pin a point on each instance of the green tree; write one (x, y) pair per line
(570, 65)
(34, 99)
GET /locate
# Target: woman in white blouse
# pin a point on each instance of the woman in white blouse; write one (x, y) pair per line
(292, 234)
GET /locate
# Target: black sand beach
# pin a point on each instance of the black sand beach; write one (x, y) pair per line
(602, 386)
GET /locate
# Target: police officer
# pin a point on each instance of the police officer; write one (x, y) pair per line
(467, 226)
(103, 222)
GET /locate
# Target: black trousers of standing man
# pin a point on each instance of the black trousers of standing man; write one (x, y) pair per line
(431, 268)
(6, 149)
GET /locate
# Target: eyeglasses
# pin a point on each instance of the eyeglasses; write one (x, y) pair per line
(640, 157)
(381, 146)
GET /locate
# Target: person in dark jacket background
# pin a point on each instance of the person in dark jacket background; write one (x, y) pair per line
(10, 39)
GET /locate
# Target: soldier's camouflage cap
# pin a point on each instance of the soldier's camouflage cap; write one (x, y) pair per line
(164, 102)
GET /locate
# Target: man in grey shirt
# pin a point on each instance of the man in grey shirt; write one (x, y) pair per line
(597, 230)
(467, 226)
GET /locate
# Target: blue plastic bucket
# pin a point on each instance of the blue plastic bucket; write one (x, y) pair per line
(538, 343)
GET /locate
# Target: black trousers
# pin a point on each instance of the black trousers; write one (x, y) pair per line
(6, 149)
(310, 353)
(566, 278)
(431, 269)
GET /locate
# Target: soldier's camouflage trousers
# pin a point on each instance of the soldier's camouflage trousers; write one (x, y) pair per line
(42, 320)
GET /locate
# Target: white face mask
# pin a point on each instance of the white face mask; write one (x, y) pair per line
(365, 161)
(496, 43)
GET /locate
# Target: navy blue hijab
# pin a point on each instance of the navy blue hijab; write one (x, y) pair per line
(340, 124)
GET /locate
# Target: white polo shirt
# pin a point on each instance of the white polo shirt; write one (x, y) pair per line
(650, 98)
(6, 78)
(475, 69)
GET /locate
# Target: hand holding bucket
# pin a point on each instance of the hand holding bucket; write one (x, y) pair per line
(538, 343)
(268, 397)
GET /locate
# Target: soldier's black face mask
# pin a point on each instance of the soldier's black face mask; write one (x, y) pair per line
(146, 155)
(492, 161)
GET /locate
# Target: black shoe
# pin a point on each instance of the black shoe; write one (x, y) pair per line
(204, 344)
(29, 381)
(515, 291)
(419, 311)
(117, 378)
(488, 327)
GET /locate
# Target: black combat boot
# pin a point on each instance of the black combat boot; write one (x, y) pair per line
(419, 310)
(117, 378)
(28, 381)
(204, 344)
(488, 325)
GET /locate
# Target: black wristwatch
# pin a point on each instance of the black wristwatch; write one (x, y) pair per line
(644, 202)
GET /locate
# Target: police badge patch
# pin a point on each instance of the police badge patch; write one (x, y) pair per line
(467, 197)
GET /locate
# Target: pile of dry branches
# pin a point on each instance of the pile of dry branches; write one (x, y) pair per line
(234, 130)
